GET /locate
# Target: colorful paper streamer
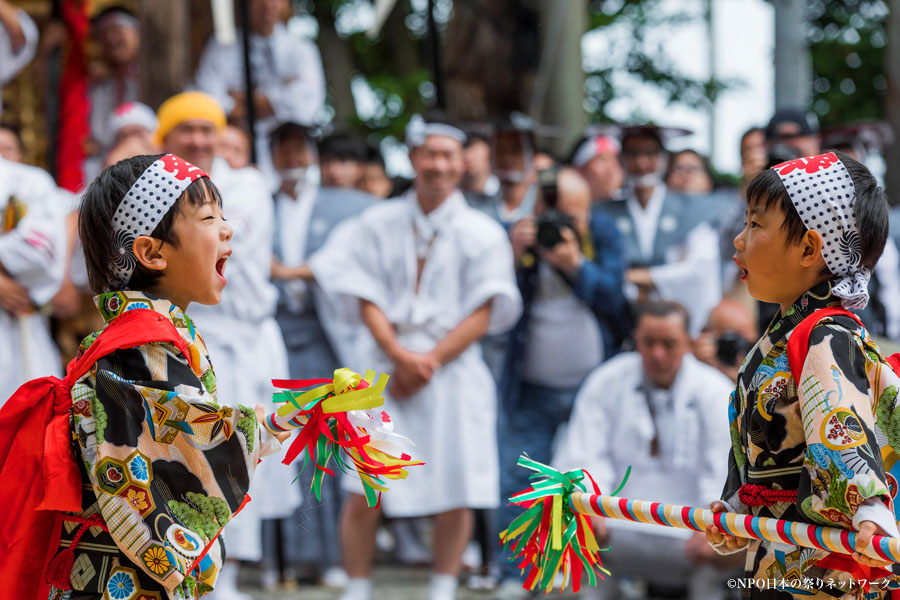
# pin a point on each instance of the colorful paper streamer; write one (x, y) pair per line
(547, 538)
(337, 422)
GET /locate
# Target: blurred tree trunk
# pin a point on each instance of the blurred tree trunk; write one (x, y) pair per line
(165, 57)
(793, 64)
(892, 103)
(337, 62)
(558, 95)
(490, 57)
(504, 55)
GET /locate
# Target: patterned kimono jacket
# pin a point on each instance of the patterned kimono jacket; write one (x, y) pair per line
(162, 464)
(821, 438)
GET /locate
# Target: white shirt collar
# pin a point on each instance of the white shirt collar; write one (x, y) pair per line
(426, 227)
(645, 219)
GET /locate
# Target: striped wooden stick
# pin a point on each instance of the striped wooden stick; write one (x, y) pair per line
(832, 539)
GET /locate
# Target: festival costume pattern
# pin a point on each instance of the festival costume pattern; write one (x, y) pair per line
(164, 465)
(822, 437)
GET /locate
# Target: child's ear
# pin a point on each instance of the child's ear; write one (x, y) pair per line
(812, 245)
(147, 250)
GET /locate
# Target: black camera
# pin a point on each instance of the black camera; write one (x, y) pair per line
(730, 346)
(550, 227)
(780, 153)
(552, 222)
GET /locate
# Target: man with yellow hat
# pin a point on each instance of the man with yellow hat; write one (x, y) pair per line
(241, 331)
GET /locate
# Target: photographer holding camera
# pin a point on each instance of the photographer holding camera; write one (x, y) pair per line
(569, 268)
(727, 337)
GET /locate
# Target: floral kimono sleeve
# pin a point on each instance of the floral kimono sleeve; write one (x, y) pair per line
(842, 466)
(168, 465)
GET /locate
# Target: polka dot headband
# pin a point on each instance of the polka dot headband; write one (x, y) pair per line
(144, 206)
(821, 190)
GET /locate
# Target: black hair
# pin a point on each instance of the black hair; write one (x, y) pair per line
(95, 214)
(870, 208)
(288, 130)
(475, 136)
(662, 308)
(674, 157)
(374, 156)
(342, 146)
(17, 133)
(645, 132)
(751, 131)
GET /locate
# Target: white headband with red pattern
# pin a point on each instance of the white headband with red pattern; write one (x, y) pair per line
(822, 191)
(144, 206)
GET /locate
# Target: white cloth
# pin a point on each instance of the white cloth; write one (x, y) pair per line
(452, 420)
(246, 346)
(646, 219)
(13, 62)
(611, 428)
(106, 96)
(888, 271)
(564, 338)
(822, 192)
(292, 227)
(287, 69)
(33, 253)
(691, 275)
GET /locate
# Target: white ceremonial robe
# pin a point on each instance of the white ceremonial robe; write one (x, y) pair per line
(13, 62)
(33, 252)
(453, 419)
(611, 428)
(245, 343)
(287, 69)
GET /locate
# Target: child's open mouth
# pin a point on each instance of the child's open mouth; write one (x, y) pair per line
(743, 271)
(220, 267)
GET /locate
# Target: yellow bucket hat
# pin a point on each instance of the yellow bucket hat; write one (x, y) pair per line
(184, 107)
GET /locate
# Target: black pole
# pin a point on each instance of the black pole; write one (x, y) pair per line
(434, 57)
(248, 78)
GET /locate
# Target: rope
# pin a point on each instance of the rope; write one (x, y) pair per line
(762, 495)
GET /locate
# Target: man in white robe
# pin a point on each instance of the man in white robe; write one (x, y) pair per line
(664, 413)
(241, 333)
(670, 252)
(430, 277)
(287, 73)
(32, 262)
(18, 41)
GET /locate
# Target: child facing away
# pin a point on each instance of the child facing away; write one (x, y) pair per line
(163, 467)
(809, 449)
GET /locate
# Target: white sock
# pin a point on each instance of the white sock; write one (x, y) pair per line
(358, 588)
(443, 587)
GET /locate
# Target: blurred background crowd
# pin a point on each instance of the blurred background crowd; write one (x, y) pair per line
(613, 140)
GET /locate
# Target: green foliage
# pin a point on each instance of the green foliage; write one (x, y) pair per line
(213, 509)
(740, 458)
(393, 70)
(847, 42)
(247, 425)
(99, 418)
(837, 491)
(633, 19)
(192, 519)
(889, 421)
